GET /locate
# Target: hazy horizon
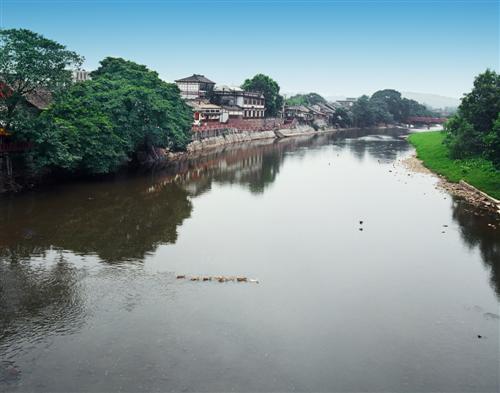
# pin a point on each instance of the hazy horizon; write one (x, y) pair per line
(334, 48)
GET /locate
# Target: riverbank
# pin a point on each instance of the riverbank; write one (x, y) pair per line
(474, 179)
(232, 136)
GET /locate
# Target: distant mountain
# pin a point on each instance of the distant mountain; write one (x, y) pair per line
(432, 100)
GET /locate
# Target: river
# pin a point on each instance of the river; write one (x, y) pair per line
(406, 301)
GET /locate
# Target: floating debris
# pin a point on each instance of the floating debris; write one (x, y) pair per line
(217, 278)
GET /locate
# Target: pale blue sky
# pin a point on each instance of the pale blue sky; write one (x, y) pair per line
(328, 46)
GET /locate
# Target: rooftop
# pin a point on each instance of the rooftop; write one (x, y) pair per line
(196, 78)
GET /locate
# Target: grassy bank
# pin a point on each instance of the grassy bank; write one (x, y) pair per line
(476, 171)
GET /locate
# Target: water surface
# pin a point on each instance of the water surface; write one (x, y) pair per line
(89, 299)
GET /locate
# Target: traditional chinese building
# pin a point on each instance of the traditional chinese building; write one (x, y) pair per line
(298, 112)
(194, 87)
(204, 111)
(250, 104)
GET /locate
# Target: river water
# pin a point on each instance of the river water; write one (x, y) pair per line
(407, 301)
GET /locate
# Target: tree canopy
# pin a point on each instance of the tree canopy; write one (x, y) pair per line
(269, 88)
(100, 124)
(305, 99)
(386, 107)
(475, 129)
(30, 62)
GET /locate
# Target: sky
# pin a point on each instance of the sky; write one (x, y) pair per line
(332, 47)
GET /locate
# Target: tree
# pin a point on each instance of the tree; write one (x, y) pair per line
(342, 117)
(148, 111)
(481, 106)
(399, 109)
(390, 101)
(362, 112)
(475, 129)
(29, 62)
(305, 99)
(269, 88)
(99, 125)
(75, 134)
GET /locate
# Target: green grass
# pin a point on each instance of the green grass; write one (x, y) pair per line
(476, 171)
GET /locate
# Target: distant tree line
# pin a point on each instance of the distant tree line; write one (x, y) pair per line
(386, 107)
(383, 107)
(474, 131)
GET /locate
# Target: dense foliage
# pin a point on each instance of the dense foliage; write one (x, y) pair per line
(386, 107)
(29, 63)
(342, 117)
(475, 129)
(305, 99)
(98, 125)
(269, 88)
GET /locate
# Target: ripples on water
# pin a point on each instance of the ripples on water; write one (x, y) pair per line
(89, 299)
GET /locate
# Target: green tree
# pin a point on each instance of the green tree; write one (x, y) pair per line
(481, 106)
(98, 125)
(148, 111)
(389, 101)
(399, 109)
(75, 134)
(305, 99)
(29, 62)
(269, 88)
(474, 129)
(342, 117)
(363, 114)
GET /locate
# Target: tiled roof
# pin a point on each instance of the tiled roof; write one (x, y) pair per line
(195, 78)
(40, 98)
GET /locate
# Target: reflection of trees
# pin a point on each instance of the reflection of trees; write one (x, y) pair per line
(36, 301)
(377, 146)
(475, 232)
(116, 221)
(126, 219)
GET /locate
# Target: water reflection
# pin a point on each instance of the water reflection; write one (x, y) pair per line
(476, 231)
(36, 302)
(117, 222)
(149, 323)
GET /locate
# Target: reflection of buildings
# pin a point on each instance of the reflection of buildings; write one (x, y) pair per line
(475, 231)
(126, 219)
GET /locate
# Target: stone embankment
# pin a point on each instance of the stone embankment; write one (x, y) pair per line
(461, 189)
(238, 136)
(233, 136)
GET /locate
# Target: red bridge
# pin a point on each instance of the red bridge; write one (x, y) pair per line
(426, 120)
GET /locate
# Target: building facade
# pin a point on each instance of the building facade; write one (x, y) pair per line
(81, 76)
(195, 87)
(251, 104)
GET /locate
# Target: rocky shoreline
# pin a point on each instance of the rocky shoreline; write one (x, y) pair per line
(461, 189)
